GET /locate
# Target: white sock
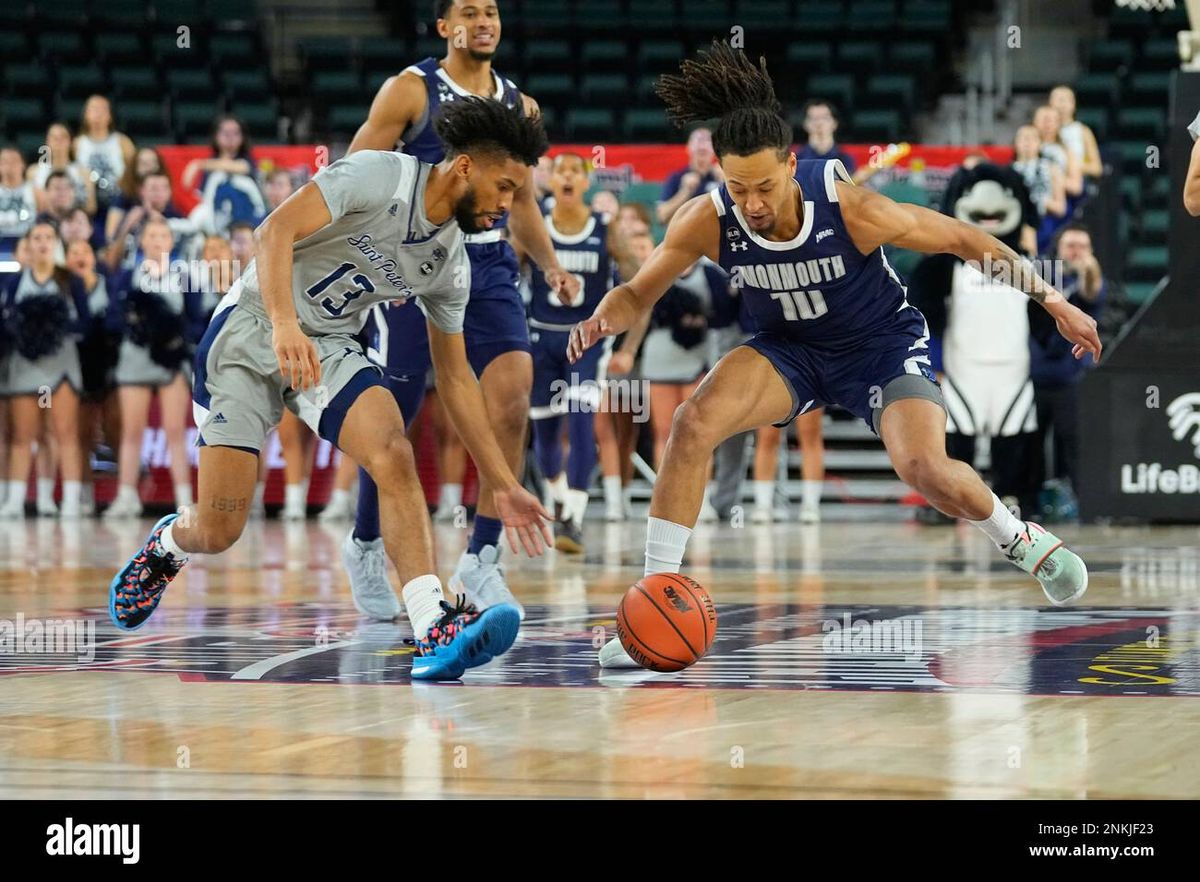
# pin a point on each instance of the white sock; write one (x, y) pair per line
(576, 505)
(72, 494)
(811, 493)
(16, 494)
(183, 495)
(260, 491)
(166, 540)
(665, 543)
(422, 598)
(764, 494)
(557, 487)
(295, 495)
(612, 490)
(45, 490)
(126, 493)
(450, 496)
(337, 497)
(1002, 526)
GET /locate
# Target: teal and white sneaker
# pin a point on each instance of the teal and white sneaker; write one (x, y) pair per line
(464, 638)
(481, 578)
(1061, 573)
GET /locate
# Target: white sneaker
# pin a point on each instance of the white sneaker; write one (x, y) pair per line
(123, 508)
(337, 510)
(13, 510)
(615, 513)
(297, 512)
(71, 511)
(708, 514)
(445, 514)
(613, 655)
(762, 516)
(481, 578)
(46, 508)
(810, 514)
(366, 565)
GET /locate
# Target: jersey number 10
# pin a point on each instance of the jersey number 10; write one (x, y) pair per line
(801, 305)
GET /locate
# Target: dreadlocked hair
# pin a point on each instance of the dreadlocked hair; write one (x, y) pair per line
(723, 84)
(484, 125)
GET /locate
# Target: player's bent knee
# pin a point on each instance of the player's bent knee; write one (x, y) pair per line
(392, 460)
(921, 470)
(692, 429)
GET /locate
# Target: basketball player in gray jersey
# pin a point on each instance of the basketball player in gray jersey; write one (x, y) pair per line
(371, 228)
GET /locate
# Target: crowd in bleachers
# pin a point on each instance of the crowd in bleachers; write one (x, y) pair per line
(107, 289)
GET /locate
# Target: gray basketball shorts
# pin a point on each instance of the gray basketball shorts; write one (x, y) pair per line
(238, 394)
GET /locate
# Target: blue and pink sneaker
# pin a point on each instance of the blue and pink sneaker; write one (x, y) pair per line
(134, 593)
(464, 638)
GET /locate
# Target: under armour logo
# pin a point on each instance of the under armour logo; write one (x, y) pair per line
(739, 246)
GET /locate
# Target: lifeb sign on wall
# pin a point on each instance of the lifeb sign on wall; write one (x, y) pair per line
(1140, 445)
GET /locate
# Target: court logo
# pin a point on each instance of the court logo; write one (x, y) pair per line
(85, 840)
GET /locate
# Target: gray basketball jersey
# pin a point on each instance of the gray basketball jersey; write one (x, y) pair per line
(18, 208)
(378, 247)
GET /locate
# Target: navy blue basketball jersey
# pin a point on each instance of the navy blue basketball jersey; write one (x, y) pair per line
(818, 286)
(586, 255)
(420, 139)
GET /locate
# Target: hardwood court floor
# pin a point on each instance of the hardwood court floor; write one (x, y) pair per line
(852, 660)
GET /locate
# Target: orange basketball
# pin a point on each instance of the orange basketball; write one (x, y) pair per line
(666, 622)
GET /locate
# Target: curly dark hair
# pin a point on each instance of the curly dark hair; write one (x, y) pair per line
(483, 125)
(723, 84)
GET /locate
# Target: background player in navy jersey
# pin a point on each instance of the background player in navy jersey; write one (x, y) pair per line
(496, 333)
(588, 244)
(804, 245)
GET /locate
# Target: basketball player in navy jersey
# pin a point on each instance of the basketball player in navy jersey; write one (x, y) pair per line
(804, 246)
(496, 333)
(588, 244)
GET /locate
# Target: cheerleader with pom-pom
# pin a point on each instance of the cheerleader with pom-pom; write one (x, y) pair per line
(45, 315)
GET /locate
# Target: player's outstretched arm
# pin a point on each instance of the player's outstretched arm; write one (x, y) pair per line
(873, 220)
(692, 234)
(398, 102)
(301, 215)
(523, 516)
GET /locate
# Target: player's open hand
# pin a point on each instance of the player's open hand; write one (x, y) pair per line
(566, 285)
(584, 336)
(1078, 327)
(524, 519)
(297, 355)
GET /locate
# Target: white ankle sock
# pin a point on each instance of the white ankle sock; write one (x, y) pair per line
(72, 494)
(183, 495)
(15, 496)
(45, 490)
(612, 491)
(450, 496)
(557, 488)
(764, 494)
(126, 493)
(166, 540)
(576, 505)
(295, 495)
(337, 497)
(665, 544)
(1002, 526)
(260, 490)
(810, 493)
(422, 598)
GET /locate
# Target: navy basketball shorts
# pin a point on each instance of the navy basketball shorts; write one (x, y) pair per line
(862, 376)
(494, 323)
(558, 385)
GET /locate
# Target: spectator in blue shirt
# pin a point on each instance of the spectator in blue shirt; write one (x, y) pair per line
(701, 175)
(1055, 371)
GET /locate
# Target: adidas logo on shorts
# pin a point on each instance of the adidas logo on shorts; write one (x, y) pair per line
(219, 420)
